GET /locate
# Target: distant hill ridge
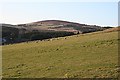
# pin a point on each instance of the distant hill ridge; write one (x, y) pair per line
(59, 25)
(45, 29)
(55, 22)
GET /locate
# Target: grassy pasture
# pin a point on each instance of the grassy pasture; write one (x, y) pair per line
(92, 55)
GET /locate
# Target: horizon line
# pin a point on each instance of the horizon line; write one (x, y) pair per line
(58, 20)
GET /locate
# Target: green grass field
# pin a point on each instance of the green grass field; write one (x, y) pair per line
(92, 55)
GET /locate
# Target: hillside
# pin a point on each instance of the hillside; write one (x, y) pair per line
(91, 55)
(59, 25)
(112, 29)
(44, 30)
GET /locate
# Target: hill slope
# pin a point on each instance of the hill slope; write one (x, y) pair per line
(59, 25)
(93, 55)
(44, 30)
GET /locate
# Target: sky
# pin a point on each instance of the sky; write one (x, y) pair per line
(93, 13)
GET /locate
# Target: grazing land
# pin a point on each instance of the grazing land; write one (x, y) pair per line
(91, 55)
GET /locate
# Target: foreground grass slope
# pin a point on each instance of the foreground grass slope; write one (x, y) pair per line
(82, 56)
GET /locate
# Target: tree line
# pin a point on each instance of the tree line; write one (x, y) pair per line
(15, 37)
